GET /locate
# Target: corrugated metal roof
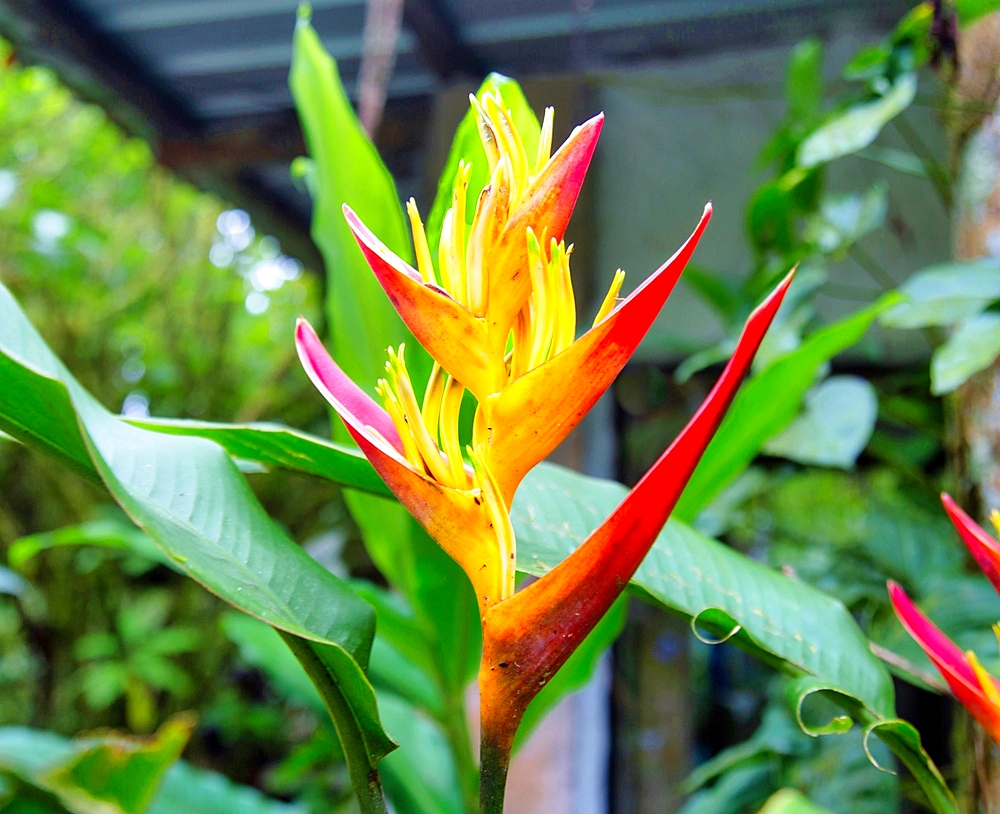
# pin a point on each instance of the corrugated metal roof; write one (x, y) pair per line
(185, 72)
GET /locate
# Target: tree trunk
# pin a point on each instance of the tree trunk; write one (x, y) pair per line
(974, 129)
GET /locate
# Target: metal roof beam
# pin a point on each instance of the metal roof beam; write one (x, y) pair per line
(263, 56)
(151, 16)
(622, 17)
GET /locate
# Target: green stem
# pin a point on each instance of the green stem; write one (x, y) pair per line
(363, 773)
(456, 726)
(937, 174)
(495, 759)
(872, 266)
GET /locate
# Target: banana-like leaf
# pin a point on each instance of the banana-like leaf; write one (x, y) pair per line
(420, 776)
(787, 623)
(107, 533)
(107, 775)
(190, 499)
(278, 446)
(767, 404)
(33, 753)
(345, 168)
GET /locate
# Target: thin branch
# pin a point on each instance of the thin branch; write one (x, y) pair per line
(936, 172)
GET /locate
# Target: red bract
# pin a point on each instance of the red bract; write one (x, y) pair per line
(976, 689)
(498, 315)
(528, 637)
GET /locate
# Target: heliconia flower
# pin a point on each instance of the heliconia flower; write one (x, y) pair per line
(464, 316)
(528, 637)
(985, 550)
(531, 398)
(498, 316)
(977, 690)
(462, 510)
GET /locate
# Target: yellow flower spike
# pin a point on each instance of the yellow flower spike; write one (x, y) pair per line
(459, 200)
(487, 133)
(510, 142)
(611, 299)
(497, 511)
(417, 430)
(465, 323)
(995, 518)
(420, 247)
(431, 408)
(491, 213)
(545, 140)
(450, 259)
(986, 681)
(565, 324)
(395, 411)
(451, 406)
(541, 318)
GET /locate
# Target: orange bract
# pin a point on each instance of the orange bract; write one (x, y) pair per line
(498, 316)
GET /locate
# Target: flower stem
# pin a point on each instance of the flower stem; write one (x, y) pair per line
(494, 758)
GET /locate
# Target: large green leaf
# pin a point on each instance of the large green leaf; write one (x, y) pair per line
(836, 422)
(766, 405)
(275, 445)
(420, 776)
(787, 623)
(467, 146)
(108, 533)
(108, 775)
(190, 499)
(187, 790)
(346, 168)
(182, 789)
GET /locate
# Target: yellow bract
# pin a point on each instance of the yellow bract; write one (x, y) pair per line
(544, 327)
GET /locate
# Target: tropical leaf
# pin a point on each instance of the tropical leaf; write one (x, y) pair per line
(789, 624)
(791, 801)
(420, 776)
(766, 405)
(858, 126)
(945, 294)
(345, 168)
(836, 422)
(108, 533)
(278, 446)
(182, 789)
(348, 168)
(107, 775)
(186, 494)
(972, 347)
